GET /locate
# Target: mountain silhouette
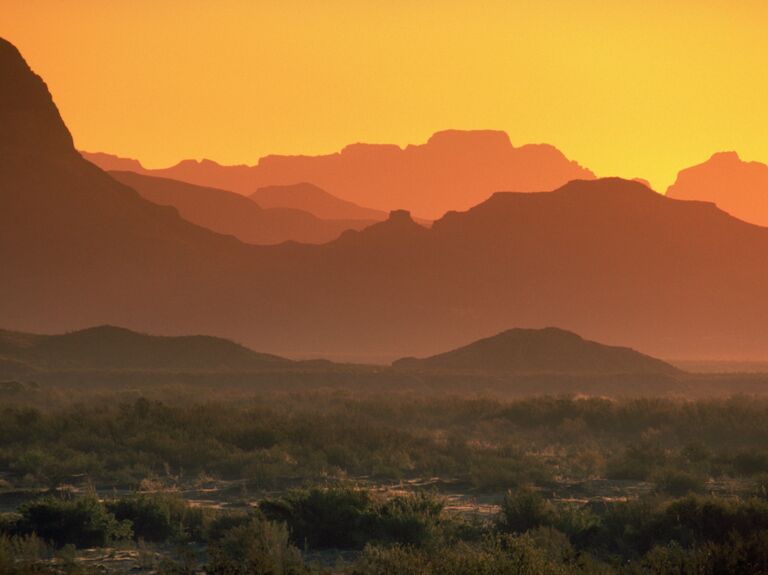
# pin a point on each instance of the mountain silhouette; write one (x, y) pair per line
(78, 244)
(113, 348)
(532, 351)
(111, 163)
(608, 259)
(738, 187)
(230, 213)
(31, 124)
(454, 170)
(314, 200)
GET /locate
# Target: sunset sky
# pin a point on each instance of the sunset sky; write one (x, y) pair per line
(630, 88)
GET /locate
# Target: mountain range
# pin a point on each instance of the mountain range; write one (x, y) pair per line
(113, 348)
(230, 213)
(453, 170)
(738, 187)
(609, 259)
(540, 351)
(306, 196)
(102, 349)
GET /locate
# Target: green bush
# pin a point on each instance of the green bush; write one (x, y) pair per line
(159, 517)
(256, 547)
(503, 555)
(83, 522)
(350, 518)
(320, 518)
(525, 509)
(677, 482)
(21, 554)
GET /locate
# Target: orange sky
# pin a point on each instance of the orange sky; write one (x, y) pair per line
(631, 88)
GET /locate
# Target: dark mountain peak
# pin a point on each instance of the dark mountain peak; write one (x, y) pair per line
(102, 331)
(603, 197)
(31, 124)
(548, 350)
(545, 333)
(611, 185)
(398, 228)
(107, 347)
(400, 217)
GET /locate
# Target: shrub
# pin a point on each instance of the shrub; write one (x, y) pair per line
(350, 518)
(523, 510)
(159, 517)
(82, 522)
(19, 553)
(677, 482)
(324, 517)
(258, 547)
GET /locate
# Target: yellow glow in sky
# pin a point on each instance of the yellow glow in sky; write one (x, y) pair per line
(625, 87)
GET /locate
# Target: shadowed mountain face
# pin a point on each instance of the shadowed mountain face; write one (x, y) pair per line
(453, 170)
(315, 201)
(549, 350)
(114, 348)
(77, 245)
(110, 163)
(609, 259)
(30, 124)
(740, 188)
(230, 213)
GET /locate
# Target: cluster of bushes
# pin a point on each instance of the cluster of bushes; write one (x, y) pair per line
(410, 534)
(89, 522)
(350, 518)
(490, 445)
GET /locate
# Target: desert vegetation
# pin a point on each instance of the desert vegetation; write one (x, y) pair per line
(338, 481)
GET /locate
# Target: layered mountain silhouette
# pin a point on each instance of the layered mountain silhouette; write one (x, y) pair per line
(539, 351)
(77, 245)
(112, 163)
(453, 170)
(314, 200)
(609, 259)
(230, 213)
(738, 187)
(114, 348)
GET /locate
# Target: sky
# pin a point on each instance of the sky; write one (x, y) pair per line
(629, 88)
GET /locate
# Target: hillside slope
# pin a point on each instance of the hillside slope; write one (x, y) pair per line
(548, 350)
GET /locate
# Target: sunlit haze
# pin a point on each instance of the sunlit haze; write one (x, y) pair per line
(637, 89)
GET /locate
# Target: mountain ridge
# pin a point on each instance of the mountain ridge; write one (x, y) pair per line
(608, 259)
(453, 170)
(307, 196)
(540, 351)
(736, 186)
(109, 347)
(230, 213)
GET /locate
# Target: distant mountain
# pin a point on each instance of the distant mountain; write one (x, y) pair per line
(312, 199)
(538, 351)
(230, 213)
(609, 259)
(452, 171)
(81, 245)
(738, 187)
(114, 348)
(111, 163)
